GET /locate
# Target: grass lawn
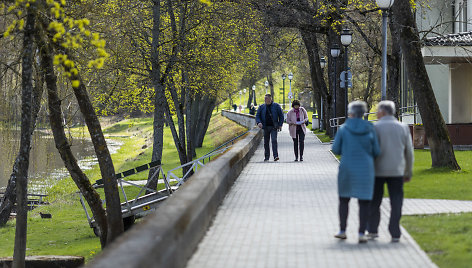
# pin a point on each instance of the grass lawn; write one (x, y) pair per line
(68, 232)
(446, 238)
(440, 183)
(322, 135)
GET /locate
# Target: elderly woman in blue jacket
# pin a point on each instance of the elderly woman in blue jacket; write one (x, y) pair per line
(356, 142)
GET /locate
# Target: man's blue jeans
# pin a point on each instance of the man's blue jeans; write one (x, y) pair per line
(270, 133)
(395, 191)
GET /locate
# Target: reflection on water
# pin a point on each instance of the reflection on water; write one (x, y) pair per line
(46, 165)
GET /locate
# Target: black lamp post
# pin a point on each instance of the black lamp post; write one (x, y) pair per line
(346, 40)
(384, 6)
(254, 94)
(290, 95)
(283, 90)
(322, 65)
(335, 51)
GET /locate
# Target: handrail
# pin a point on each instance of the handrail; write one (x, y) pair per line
(334, 122)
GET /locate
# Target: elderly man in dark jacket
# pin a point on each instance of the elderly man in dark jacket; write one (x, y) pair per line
(270, 117)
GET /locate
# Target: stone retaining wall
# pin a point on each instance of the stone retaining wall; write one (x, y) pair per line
(246, 120)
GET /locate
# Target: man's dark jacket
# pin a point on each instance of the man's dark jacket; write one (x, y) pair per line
(276, 112)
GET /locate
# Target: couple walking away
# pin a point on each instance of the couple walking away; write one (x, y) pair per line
(372, 155)
(270, 117)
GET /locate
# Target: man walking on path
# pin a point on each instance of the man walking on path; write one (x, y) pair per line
(270, 118)
(393, 166)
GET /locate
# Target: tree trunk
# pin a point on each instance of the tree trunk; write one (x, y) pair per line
(204, 119)
(442, 153)
(113, 208)
(318, 83)
(62, 143)
(25, 140)
(393, 86)
(9, 198)
(271, 84)
(189, 125)
(158, 124)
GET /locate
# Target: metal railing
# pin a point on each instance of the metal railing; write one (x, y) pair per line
(335, 122)
(193, 166)
(148, 198)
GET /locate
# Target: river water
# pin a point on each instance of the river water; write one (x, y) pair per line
(46, 166)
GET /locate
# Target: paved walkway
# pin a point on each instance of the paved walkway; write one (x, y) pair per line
(284, 214)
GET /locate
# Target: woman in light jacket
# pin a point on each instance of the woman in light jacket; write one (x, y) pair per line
(296, 119)
(356, 142)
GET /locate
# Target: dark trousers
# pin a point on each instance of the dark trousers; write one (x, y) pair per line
(395, 191)
(344, 211)
(270, 133)
(299, 140)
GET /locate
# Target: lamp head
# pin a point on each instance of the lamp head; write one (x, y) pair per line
(323, 62)
(384, 4)
(335, 51)
(254, 87)
(346, 37)
(290, 76)
(266, 83)
(284, 76)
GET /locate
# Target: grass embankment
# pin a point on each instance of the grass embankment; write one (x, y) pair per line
(68, 233)
(446, 238)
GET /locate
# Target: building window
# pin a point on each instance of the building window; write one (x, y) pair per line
(461, 16)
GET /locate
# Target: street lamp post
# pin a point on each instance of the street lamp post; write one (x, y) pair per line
(384, 6)
(346, 40)
(266, 84)
(244, 92)
(323, 65)
(240, 102)
(290, 96)
(283, 90)
(254, 94)
(335, 51)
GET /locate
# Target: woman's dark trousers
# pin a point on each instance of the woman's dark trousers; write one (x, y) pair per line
(270, 133)
(344, 211)
(395, 191)
(299, 140)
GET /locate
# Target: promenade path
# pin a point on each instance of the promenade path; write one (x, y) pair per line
(284, 214)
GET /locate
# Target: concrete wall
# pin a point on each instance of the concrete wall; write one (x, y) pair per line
(440, 77)
(246, 120)
(169, 236)
(461, 93)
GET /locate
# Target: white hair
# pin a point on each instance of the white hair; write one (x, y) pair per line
(386, 106)
(357, 109)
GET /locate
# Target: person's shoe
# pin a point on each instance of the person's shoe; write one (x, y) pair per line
(296, 159)
(276, 159)
(301, 159)
(341, 235)
(372, 236)
(395, 239)
(265, 160)
(362, 238)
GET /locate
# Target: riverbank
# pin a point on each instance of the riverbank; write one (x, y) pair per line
(67, 232)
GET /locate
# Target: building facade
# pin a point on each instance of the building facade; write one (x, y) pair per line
(445, 27)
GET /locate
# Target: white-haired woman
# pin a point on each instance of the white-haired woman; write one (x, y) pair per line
(356, 142)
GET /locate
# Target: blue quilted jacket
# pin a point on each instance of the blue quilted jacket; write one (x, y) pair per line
(357, 143)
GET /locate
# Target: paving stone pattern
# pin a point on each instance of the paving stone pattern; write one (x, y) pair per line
(284, 214)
